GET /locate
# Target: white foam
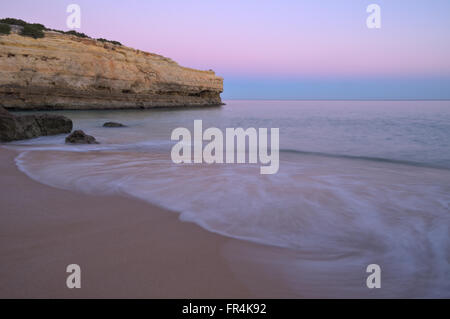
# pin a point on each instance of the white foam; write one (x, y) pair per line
(339, 210)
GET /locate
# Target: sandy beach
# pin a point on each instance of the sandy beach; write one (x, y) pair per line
(126, 248)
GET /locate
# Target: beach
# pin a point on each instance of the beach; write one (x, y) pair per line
(291, 150)
(140, 225)
(126, 248)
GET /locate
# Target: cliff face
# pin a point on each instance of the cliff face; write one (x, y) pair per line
(66, 72)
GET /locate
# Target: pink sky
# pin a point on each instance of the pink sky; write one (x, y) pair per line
(261, 38)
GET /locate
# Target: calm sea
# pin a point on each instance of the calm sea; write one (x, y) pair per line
(360, 182)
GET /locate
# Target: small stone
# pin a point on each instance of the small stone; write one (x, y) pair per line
(113, 124)
(79, 137)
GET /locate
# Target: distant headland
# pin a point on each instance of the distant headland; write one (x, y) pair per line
(44, 69)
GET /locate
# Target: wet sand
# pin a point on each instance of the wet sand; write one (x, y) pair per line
(125, 248)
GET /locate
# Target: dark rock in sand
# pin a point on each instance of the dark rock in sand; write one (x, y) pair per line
(113, 124)
(79, 137)
(22, 127)
(7, 126)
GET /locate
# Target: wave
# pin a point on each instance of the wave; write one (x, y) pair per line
(139, 146)
(366, 158)
(339, 214)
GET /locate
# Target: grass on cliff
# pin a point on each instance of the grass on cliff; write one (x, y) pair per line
(36, 30)
(33, 30)
(109, 41)
(5, 28)
(75, 33)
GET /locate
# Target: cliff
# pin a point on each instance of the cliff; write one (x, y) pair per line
(62, 71)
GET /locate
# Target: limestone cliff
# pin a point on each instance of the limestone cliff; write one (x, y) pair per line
(63, 71)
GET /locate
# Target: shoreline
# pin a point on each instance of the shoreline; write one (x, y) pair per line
(107, 108)
(126, 248)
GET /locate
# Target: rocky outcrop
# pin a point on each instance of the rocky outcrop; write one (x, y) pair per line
(29, 126)
(113, 124)
(79, 137)
(63, 71)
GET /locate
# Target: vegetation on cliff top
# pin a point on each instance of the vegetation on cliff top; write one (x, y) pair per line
(5, 28)
(71, 32)
(110, 41)
(36, 30)
(33, 30)
(13, 21)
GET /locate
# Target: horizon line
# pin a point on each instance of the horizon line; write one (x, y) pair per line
(319, 99)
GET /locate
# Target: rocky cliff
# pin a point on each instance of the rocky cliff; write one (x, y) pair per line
(63, 71)
(21, 127)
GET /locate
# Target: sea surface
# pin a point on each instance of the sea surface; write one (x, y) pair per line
(360, 182)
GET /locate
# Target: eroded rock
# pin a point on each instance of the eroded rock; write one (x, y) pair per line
(113, 124)
(22, 127)
(79, 137)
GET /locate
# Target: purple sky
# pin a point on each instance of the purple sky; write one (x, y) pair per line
(277, 49)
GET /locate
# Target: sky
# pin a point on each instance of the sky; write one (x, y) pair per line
(279, 49)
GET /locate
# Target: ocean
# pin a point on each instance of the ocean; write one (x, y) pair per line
(359, 182)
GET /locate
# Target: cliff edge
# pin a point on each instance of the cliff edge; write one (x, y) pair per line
(62, 71)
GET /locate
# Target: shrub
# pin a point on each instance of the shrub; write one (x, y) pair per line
(5, 29)
(13, 21)
(38, 25)
(78, 34)
(48, 29)
(110, 41)
(33, 30)
(36, 30)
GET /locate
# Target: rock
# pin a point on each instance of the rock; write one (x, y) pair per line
(113, 124)
(7, 126)
(63, 71)
(79, 137)
(29, 126)
(53, 124)
(3, 111)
